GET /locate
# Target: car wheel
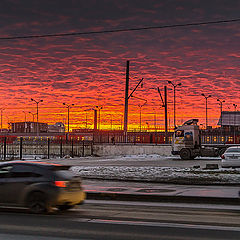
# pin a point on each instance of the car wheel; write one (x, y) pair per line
(37, 203)
(65, 207)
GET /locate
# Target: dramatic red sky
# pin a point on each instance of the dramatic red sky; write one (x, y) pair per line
(89, 70)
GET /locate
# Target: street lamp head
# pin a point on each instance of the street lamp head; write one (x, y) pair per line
(32, 99)
(169, 81)
(179, 84)
(41, 100)
(64, 103)
(203, 94)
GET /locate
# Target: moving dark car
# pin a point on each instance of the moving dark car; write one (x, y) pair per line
(39, 186)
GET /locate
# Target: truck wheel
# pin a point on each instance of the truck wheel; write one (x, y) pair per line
(185, 154)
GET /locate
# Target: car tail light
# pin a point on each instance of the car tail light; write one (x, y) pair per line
(223, 157)
(61, 184)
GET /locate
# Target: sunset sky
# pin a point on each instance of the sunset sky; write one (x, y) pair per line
(89, 70)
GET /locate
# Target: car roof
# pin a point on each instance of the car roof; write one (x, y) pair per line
(37, 164)
(234, 147)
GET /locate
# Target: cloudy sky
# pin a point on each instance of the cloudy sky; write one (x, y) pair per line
(89, 70)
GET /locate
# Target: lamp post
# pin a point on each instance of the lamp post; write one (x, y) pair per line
(32, 115)
(206, 97)
(25, 117)
(234, 127)
(68, 107)
(37, 102)
(221, 103)
(174, 101)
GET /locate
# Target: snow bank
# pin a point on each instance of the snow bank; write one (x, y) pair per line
(160, 174)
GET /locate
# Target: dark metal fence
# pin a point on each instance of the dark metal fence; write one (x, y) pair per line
(22, 148)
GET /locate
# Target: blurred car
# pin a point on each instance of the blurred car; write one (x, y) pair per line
(39, 186)
(231, 157)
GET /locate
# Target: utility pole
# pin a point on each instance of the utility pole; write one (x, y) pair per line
(206, 97)
(164, 104)
(1, 117)
(174, 100)
(125, 128)
(166, 116)
(95, 120)
(99, 119)
(68, 108)
(126, 100)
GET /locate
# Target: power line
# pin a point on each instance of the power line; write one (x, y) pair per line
(120, 30)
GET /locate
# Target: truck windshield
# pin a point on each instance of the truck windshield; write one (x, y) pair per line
(179, 133)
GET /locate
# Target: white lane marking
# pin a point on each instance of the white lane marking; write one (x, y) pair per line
(159, 204)
(158, 224)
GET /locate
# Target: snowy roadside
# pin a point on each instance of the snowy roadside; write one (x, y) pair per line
(155, 174)
(161, 175)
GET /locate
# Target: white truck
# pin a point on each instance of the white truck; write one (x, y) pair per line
(187, 142)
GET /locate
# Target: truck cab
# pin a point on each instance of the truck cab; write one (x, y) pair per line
(186, 139)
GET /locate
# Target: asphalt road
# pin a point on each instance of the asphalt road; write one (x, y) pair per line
(124, 220)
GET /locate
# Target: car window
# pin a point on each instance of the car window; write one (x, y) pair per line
(4, 171)
(233, 150)
(24, 174)
(24, 171)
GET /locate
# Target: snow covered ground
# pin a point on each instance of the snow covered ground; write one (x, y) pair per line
(158, 174)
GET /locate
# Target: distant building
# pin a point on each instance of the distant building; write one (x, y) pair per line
(230, 120)
(29, 127)
(4, 130)
(57, 127)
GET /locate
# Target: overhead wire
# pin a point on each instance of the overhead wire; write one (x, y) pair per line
(120, 30)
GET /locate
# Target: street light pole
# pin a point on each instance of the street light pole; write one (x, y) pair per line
(25, 118)
(234, 127)
(221, 103)
(68, 107)
(32, 115)
(206, 97)
(37, 102)
(174, 101)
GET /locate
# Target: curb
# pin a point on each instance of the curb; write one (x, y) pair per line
(161, 198)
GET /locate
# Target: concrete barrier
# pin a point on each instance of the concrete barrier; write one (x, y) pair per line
(126, 149)
(80, 150)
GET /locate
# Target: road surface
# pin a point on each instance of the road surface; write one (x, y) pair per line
(125, 220)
